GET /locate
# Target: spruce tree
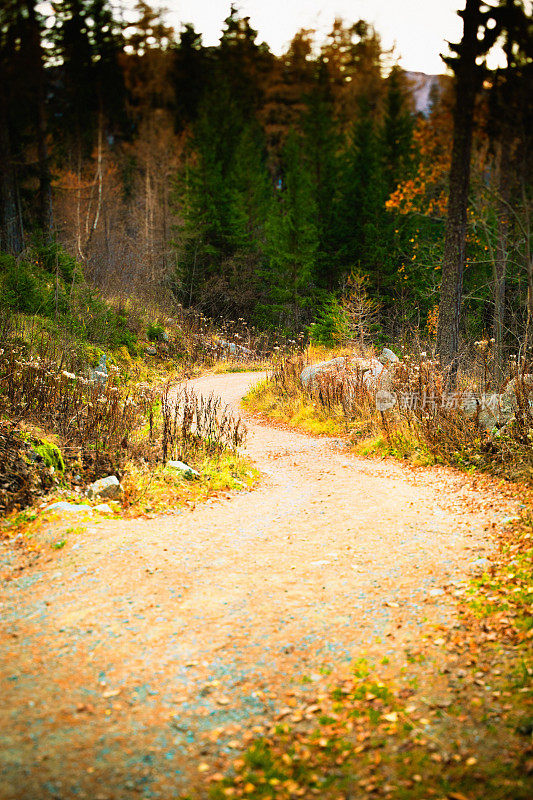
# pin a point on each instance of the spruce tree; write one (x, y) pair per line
(292, 236)
(322, 143)
(361, 205)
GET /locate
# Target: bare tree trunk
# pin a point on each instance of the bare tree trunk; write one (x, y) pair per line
(529, 324)
(500, 262)
(99, 171)
(79, 246)
(467, 80)
(525, 226)
(11, 235)
(45, 183)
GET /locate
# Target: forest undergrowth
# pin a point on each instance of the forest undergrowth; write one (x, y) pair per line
(65, 422)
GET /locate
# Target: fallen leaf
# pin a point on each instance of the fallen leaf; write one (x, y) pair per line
(222, 701)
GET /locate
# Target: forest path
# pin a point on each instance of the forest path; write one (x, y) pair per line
(151, 645)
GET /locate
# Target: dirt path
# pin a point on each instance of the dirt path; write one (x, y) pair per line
(152, 644)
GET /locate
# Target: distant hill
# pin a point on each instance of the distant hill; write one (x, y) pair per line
(425, 88)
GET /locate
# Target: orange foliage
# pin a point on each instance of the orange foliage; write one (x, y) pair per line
(426, 192)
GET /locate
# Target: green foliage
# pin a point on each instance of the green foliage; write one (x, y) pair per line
(46, 281)
(155, 332)
(54, 260)
(21, 289)
(331, 325)
(50, 454)
(59, 544)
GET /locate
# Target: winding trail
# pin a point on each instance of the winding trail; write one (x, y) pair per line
(149, 645)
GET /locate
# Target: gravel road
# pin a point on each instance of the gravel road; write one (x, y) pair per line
(146, 646)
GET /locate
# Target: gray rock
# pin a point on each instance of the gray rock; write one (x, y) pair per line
(310, 374)
(479, 566)
(388, 357)
(99, 374)
(487, 419)
(494, 409)
(436, 592)
(469, 406)
(188, 472)
(238, 350)
(385, 400)
(69, 508)
(108, 488)
(104, 508)
(525, 380)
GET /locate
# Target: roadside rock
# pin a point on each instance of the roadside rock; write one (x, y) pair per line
(188, 472)
(494, 409)
(388, 357)
(99, 374)
(108, 488)
(70, 508)
(371, 371)
(375, 374)
(103, 508)
(238, 350)
(310, 374)
(479, 566)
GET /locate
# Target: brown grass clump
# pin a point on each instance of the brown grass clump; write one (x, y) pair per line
(427, 422)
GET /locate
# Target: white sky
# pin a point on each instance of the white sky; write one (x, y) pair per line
(418, 28)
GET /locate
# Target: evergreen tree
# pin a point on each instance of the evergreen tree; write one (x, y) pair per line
(482, 25)
(361, 206)
(322, 143)
(250, 192)
(205, 193)
(189, 75)
(75, 102)
(292, 232)
(396, 131)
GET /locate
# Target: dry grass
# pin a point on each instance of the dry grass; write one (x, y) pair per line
(425, 430)
(160, 490)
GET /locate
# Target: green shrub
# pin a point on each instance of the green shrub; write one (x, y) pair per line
(22, 290)
(155, 332)
(7, 262)
(53, 259)
(331, 326)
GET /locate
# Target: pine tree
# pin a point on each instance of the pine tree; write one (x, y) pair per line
(396, 131)
(361, 208)
(250, 192)
(292, 232)
(322, 143)
(204, 193)
(190, 69)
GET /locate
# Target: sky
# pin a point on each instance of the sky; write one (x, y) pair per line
(417, 28)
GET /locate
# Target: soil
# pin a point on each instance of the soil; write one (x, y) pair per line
(144, 647)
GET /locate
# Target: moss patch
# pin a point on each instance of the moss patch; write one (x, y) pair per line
(50, 454)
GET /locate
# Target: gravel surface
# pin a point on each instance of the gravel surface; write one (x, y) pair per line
(145, 646)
